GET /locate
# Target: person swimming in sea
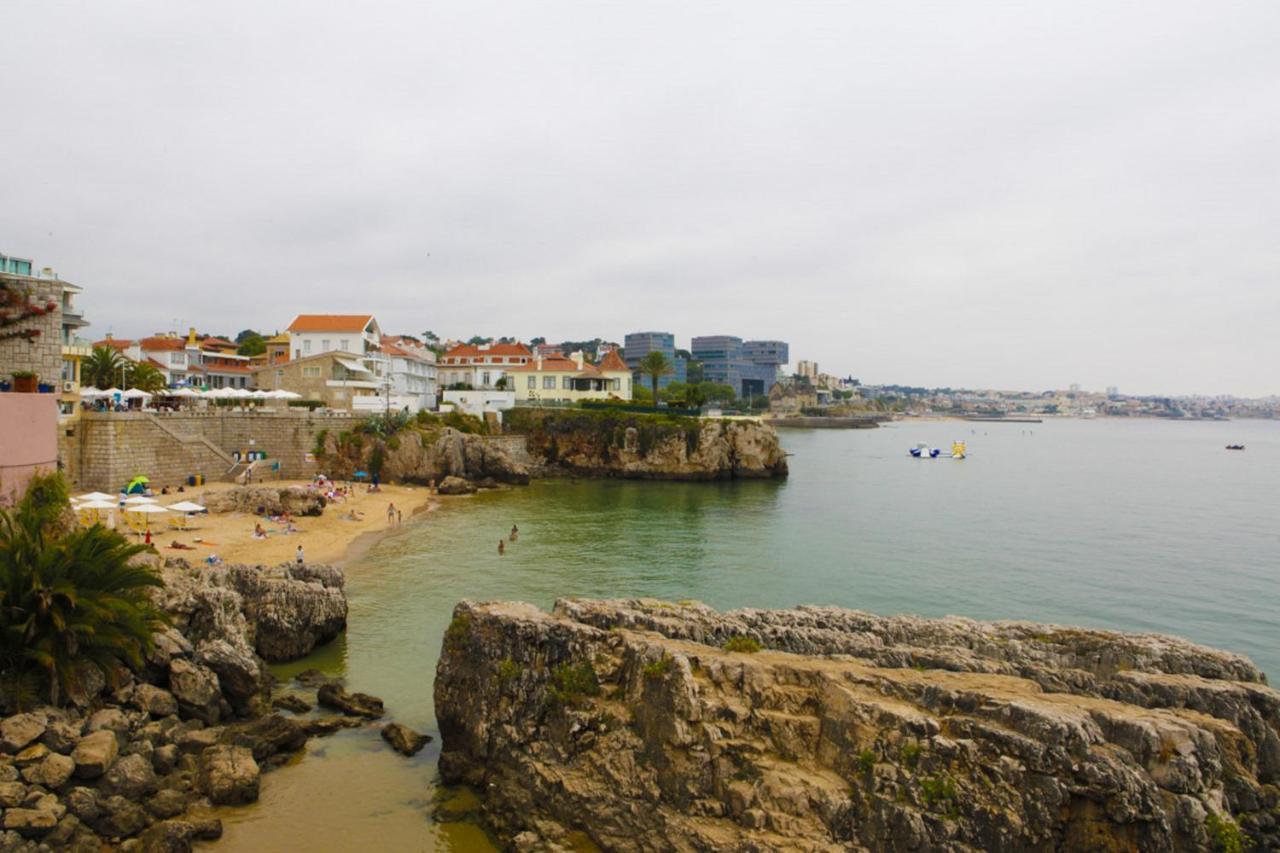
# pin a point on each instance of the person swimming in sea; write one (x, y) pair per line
(515, 533)
(502, 547)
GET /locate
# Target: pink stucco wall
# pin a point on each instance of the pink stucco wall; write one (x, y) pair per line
(28, 440)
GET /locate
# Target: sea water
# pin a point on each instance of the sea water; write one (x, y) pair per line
(1136, 525)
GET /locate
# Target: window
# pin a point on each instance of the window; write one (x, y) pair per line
(306, 346)
(484, 379)
(176, 357)
(344, 345)
(566, 383)
(533, 382)
(279, 376)
(616, 384)
(549, 382)
(324, 345)
(310, 372)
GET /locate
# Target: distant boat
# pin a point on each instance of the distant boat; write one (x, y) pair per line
(1235, 447)
(958, 450)
(923, 451)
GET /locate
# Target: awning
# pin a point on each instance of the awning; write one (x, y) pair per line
(354, 366)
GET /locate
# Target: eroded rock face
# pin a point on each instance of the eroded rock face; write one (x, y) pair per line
(416, 457)
(636, 448)
(628, 721)
(296, 500)
(229, 775)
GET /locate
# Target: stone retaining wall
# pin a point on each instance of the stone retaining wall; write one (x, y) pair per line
(109, 448)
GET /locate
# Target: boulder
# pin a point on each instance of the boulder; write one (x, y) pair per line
(195, 687)
(30, 822)
(292, 702)
(455, 486)
(324, 726)
(153, 700)
(228, 775)
(95, 753)
(314, 678)
(351, 704)
(198, 740)
(109, 719)
(83, 803)
(239, 675)
(168, 836)
(269, 735)
(403, 739)
(120, 818)
(8, 773)
(61, 737)
(53, 772)
(257, 500)
(18, 731)
(131, 777)
(32, 754)
(165, 758)
(12, 794)
(167, 803)
(291, 608)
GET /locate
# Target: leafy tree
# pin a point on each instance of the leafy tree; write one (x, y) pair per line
(717, 391)
(102, 368)
(146, 377)
(430, 337)
(69, 602)
(477, 340)
(246, 334)
(538, 341)
(693, 373)
(255, 344)
(655, 366)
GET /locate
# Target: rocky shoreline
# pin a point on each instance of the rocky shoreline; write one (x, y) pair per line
(140, 764)
(645, 725)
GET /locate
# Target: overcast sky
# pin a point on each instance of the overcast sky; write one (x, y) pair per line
(1012, 195)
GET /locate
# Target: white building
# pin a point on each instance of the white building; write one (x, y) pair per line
(483, 366)
(313, 334)
(413, 371)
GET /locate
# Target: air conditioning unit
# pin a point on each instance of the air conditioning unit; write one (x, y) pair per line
(68, 386)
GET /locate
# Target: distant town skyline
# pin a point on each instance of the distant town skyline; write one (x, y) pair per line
(984, 195)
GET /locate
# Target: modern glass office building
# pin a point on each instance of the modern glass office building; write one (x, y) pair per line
(764, 360)
(639, 344)
(750, 367)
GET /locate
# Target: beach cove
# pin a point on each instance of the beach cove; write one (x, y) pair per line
(1070, 522)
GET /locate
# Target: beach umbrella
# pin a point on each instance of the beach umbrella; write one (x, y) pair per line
(140, 500)
(259, 394)
(282, 394)
(96, 496)
(147, 510)
(186, 506)
(90, 393)
(96, 504)
(136, 394)
(185, 392)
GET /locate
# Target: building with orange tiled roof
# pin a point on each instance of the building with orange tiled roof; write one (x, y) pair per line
(311, 334)
(480, 366)
(569, 379)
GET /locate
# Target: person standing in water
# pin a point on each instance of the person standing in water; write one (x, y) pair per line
(297, 555)
(515, 533)
(502, 547)
(391, 514)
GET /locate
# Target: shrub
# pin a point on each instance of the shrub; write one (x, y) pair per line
(739, 643)
(455, 636)
(508, 670)
(658, 669)
(571, 683)
(1224, 834)
(910, 754)
(319, 450)
(69, 603)
(938, 790)
(866, 761)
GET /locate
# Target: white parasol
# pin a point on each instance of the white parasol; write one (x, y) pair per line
(96, 496)
(139, 500)
(186, 506)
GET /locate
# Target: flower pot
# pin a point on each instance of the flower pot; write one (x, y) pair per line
(5, 385)
(24, 384)
(44, 388)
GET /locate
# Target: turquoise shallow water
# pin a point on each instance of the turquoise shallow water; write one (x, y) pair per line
(1136, 525)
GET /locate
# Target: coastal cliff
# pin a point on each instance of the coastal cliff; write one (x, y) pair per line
(614, 443)
(412, 456)
(629, 722)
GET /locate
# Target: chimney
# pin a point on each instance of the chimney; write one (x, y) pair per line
(579, 359)
(191, 337)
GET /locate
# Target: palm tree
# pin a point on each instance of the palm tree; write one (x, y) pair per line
(144, 376)
(102, 369)
(655, 366)
(69, 602)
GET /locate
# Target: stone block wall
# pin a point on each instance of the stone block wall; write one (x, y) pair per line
(109, 448)
(43, 354)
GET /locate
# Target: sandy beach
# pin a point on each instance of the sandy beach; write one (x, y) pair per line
(329, 538)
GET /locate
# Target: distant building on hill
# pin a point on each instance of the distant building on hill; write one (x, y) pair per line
(412, 369)
(480, 365)
(562, 379)
(311, 334)
(764, 362)
(637, 345)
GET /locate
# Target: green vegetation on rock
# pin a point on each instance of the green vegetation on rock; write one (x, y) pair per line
(571, 683)
(739, 643)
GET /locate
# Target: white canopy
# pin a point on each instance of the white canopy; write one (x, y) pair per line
(96, 505)
(185, 392)
(145, 508)
(281, 394)
(186, 506)
(140, 499)
(92, 392)
(219, 393)
(353, 366)
(136, 394)
(259, 395)
(96, 496)
(111, 392)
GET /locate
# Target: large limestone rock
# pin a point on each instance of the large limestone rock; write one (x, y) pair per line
(414, 457)
(618, 444)
(20, 730)
(629, 721)
(229, 775)
(403, 739)
(53, 772)
(132, 777)
(196, 689)
(296, 500)
(95, 753)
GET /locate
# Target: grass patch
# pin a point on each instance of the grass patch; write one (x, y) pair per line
(455, 636)
(739, 643)
(866, 761)
(571, 683)
(658, 669)
(509, 670)
(1224, 834)
(910, 754)
(940, 792)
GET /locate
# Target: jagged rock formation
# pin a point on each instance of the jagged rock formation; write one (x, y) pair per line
(412, 456)
(629, 721)
(258, 500)
(617, 444)
(190, 728)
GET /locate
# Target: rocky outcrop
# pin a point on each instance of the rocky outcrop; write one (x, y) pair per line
(259, 500)
(187, 727)
(414, 456)
(403, 739)
(646, 447)
(629, 721)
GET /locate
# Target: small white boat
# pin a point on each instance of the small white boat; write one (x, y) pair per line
(923, 451)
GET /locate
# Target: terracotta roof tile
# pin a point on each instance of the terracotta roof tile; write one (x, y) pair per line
(613, 362)
(330, 322)
(472, 351)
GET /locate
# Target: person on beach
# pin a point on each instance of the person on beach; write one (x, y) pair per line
(399, 518)
(297, 555)
(391, 514)
(515, 533)
(258, 532)
(502, 547)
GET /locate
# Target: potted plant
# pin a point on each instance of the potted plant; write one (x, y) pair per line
(5, 385)
(24, 381)
(44, 387)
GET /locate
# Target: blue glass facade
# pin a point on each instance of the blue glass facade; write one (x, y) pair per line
(722, 359)
(764, 359)
(637, 345)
